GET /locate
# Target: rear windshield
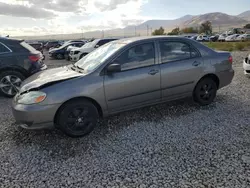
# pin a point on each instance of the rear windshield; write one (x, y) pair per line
(28, 47)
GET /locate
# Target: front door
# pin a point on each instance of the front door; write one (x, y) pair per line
(181, 67)
(138, 83)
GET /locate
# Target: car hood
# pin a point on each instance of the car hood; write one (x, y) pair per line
(47, 77)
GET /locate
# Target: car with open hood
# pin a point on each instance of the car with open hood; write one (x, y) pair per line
(78, 53)
(61, 52)
(121, 75)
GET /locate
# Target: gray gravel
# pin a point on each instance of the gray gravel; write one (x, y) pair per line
(177, 144)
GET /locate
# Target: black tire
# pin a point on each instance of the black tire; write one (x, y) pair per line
(10, 78)
(205, 91)
(59, 56)
(77, 118)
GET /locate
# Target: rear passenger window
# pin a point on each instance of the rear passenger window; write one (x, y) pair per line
(3, 49)
(176, 51)
(139, 56)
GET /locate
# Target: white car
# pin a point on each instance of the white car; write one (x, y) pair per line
(246, 65)
(203, 38)
(222, 37)
(244, 37)
(78, 53)
(231, 38)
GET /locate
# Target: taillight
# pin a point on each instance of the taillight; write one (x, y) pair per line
(230, 59)
(34, 58)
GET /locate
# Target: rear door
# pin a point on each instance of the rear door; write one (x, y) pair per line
(181, 67)
(138, 83)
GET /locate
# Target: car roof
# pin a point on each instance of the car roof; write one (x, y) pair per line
(136, 39)
(9, 40)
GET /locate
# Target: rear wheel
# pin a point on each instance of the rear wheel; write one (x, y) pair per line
(10, 82)
(77, 118)
(205, 91)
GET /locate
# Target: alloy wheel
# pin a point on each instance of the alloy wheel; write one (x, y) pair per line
(78, 120)
(206, 92)
(10, 84)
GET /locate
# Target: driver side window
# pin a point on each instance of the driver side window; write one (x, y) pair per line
(142, 55)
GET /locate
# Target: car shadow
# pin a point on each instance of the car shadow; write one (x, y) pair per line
(43, 140)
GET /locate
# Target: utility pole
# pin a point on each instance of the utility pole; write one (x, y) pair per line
(151, 30)
(147, 30)
(135, 30)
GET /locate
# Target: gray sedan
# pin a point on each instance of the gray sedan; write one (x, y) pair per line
(120, 76)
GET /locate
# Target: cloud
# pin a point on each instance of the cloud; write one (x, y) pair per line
(24, 11)
(61, 5)
(111, 5)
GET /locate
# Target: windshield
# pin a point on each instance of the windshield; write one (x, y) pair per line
(91, 61)
(28, 47)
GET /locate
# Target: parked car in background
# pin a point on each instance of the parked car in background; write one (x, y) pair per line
(231, 38)
(71, 47)
(194, 37)
(246, 65)
(214, 38)
(60, 53)
(119, 76)
(79, 53)
(222, 37)
(244, 37)
(18, 60)
(52, 44)
(202, 38)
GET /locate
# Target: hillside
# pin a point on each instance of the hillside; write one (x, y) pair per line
(217, 18)
(245, 15)
(220, 22)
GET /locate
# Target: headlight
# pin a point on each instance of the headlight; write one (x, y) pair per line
(32, 97)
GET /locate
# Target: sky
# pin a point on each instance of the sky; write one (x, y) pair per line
(44, 17)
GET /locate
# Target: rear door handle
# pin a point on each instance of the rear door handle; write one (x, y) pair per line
(153, 72)
(196, 63)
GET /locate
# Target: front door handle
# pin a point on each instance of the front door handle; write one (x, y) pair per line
(153, 72)
(196, 63)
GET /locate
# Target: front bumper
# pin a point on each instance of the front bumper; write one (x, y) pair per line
(246, 66)
(34, 116)
(74, 57)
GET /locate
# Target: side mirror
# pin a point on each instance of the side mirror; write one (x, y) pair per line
(97, 46)
(114, 67)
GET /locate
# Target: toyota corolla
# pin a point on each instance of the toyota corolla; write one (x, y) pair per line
(119, 76)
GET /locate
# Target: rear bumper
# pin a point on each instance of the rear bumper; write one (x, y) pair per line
(34, 116)
(225, 77)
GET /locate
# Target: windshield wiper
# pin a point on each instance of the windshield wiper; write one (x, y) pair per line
(79, 67)
(74, 67)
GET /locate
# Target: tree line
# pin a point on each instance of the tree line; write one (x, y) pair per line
(205, 27)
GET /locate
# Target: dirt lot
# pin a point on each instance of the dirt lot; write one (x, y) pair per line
(177, 144)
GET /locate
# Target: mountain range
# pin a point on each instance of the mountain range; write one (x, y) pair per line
(220, 21)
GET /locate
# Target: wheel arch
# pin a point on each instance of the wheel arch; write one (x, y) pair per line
(212, 76)
(95, 103)
(14, 68)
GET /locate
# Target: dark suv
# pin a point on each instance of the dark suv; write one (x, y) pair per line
(18, 60)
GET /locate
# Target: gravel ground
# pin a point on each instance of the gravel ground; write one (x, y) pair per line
(177, 144)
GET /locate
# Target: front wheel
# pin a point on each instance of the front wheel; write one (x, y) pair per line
(59, 56)
(205, 91)
(77, 118)
(10, 82)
